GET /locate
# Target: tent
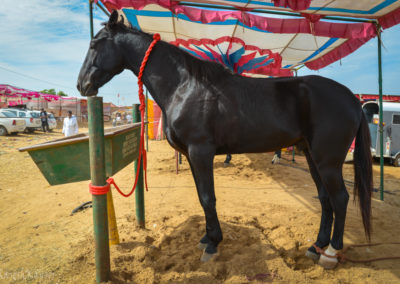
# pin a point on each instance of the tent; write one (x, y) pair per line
(239, 35)
(265, 37)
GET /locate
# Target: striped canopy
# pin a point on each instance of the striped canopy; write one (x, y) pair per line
(238, 33)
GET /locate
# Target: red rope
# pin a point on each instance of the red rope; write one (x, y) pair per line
(142, 150)
(342, 258)
(99, 190)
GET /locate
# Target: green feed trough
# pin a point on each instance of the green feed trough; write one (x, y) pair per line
(67, 160)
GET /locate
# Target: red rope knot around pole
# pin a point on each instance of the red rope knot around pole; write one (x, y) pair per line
(99, 190)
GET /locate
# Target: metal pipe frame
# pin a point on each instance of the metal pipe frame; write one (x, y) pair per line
(273, 12)
(332, 18)
(380, 110)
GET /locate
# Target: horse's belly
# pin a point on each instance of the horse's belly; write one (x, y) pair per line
(259, 141)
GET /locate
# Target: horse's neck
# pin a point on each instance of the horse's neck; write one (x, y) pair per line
(161, 74)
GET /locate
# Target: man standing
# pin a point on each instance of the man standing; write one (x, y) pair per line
(277, 157)
(70, 126)
(44, 119)
(129, 118)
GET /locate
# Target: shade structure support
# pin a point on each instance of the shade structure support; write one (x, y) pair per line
(378, 27)
(331, 18)
(264, 11)
(98, 177)
(103, 9)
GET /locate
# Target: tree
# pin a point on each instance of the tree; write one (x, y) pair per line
(62, 94)
(53, 92)
(49, 91)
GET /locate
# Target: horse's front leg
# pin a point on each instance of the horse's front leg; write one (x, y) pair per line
(201, 162)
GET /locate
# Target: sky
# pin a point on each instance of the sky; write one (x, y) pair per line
(43, 44)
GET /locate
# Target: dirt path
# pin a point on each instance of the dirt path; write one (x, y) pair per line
(269, 216)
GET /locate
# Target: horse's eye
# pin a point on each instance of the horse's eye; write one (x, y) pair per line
(93, 44)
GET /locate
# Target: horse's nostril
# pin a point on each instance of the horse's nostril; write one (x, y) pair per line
(78, 86)
(87, 85)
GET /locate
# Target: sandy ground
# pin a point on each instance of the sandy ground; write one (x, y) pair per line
(269, 216)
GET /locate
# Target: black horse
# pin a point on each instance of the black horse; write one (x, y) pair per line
(210, 111)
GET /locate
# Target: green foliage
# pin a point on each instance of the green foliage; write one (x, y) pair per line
(62, 94)
(53, 92)
(49, 91)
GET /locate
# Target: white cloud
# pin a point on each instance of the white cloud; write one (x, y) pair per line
(48, 40)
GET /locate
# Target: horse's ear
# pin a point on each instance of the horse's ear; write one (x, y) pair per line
(113, 18)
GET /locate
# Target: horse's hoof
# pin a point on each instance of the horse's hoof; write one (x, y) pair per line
(314, 256)
(226, 165)
(202, 246)
(208, 256)
(327, 262)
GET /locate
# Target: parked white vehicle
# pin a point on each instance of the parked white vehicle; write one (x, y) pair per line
(32, 122)
(51, 120)
(10, 124)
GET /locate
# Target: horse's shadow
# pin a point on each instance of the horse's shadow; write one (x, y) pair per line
(244, 255)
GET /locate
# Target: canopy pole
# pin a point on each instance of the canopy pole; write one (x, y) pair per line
(147, 120)
(102, 8)
(273, 12)
(378, 27)
(98, 177)
(91, 18)
(139, 190)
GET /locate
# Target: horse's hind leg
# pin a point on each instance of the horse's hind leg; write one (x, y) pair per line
(325, 226)
(332, 179)
(201, 162)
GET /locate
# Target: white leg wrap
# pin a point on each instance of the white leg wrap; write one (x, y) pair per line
(328, 262)
(275, 159)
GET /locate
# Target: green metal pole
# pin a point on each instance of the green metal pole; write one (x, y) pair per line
(139, 190)
(294, 146)
(102, 8)
(380, 110)
(91, 18)
(147, 120)
(98, 177)
(293, 154)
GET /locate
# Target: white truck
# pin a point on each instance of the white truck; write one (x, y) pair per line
(10, 124)
(32, 122)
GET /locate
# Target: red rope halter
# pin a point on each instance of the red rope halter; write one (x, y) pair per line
(142, 150)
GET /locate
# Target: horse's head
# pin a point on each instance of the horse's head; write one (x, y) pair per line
(103, 60)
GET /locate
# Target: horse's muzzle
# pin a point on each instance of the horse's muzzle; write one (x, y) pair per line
(87, 89)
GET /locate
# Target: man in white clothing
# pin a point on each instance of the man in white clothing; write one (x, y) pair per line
(70, 125)
(129, 118)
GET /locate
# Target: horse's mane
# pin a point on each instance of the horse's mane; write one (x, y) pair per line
(200, 69)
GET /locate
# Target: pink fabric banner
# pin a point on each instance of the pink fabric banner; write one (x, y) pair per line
(390, 19)
(11, 91)
(295, 5)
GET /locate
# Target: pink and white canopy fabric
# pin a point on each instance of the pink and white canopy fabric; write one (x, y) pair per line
(14, 92)
(251, 44)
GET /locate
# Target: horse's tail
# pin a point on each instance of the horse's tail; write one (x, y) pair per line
(363, 178)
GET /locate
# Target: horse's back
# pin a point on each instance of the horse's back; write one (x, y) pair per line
(274, 113)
